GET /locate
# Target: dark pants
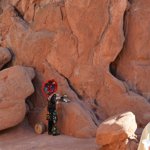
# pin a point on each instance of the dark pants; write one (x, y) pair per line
(52, 128)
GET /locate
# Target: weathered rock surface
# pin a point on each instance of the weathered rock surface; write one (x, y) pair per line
(76, 120)
(134, 61)
(123, 145)
(15, 87)
(115, 131)
(95, 50)
(5, 56)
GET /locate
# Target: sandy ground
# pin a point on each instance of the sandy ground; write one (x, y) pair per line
(22, 137)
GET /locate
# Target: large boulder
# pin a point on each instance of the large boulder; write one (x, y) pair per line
(75, 120)
(116, 130)
(15, 87)
(5, 56)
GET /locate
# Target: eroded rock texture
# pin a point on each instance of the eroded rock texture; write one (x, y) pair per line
(118, 132)
(15, 87)
(97, 51)
(5, 56)
(136, 70)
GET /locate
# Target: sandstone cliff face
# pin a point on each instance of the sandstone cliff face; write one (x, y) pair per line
(97, 51)
(136, 50)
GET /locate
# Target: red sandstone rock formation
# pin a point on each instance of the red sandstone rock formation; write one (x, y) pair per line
(5, 56)
(97, 51)
(116, 133)
(15, 87)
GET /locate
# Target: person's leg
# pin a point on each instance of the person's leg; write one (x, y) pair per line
(50, 125)
(55, 130)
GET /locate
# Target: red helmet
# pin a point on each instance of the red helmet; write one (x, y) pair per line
(49, 87)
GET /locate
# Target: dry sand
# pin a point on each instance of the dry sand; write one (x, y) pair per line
(22, 137)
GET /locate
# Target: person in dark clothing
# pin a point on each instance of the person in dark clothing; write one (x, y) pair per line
(50, 88)
(52, 116)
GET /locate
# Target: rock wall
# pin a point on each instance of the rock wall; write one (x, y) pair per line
(97, 51)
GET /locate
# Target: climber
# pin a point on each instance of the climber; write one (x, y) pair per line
(49, 88)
